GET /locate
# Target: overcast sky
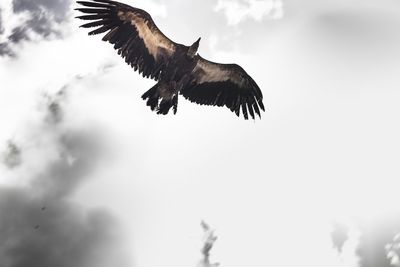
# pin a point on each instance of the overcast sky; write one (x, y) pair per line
(91, 177)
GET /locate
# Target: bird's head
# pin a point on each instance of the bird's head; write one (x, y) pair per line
(193, 48)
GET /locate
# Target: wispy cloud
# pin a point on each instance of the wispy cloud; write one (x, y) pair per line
(42, 19)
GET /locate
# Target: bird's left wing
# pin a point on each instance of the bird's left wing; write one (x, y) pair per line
(224, 85)
(133, 33)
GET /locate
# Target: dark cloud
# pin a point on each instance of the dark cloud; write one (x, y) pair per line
(339, 236)
(375, 236)
(52, 10)
(61, 235)
(42, 18)
(5, 50)
(18, 34)
(39, 24)
(42, 227)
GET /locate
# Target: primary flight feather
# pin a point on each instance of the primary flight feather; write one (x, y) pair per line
(179, 69)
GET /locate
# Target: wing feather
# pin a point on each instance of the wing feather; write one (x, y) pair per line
(93, 4)
(92, 17)
(224, 85)
(133, 33)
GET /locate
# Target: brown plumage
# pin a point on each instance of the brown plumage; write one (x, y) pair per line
(177, 68)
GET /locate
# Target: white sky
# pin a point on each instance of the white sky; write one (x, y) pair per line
(326, 149)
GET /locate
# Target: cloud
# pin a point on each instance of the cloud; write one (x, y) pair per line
(43, 17)
(393, 250)
(359, 25)
(54, 103)
(60, 235)
(339, 236)
(1, 22)
(12, 156)
(363, 34)
(378, 239)
(4, 48)
(43, 227)
(238, 11)
(34, 20)
(54, 10)
(18, 34)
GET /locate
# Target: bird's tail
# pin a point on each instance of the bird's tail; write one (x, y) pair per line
(161, 103)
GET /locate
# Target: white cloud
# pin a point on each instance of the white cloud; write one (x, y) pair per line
(238, 11)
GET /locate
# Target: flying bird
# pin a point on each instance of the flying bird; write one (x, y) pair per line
(177, 68)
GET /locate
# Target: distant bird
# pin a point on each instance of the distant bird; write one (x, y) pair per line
(37, 227)
(177, 68)
(43, 208)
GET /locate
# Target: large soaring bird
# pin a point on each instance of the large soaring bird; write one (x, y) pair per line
(177, 68)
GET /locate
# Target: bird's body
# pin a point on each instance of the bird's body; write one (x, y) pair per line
(177, 68)
(171, 82)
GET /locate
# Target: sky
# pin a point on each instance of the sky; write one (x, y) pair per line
(89, 176)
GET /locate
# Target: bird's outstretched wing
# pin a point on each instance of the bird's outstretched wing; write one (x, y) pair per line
(224, 85)
(133, 33)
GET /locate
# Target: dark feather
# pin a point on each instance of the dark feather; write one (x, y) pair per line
(102, 29)
(94, 24)
(109, 2)
(93, 10)
(257, 110)
(122, 24)
(224, 85)
(92, 17)
(110, 34)
(92, 4)
(244, 110)
(250, 109)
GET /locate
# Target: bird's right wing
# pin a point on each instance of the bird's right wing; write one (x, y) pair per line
(133, 33)
(224, 85)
